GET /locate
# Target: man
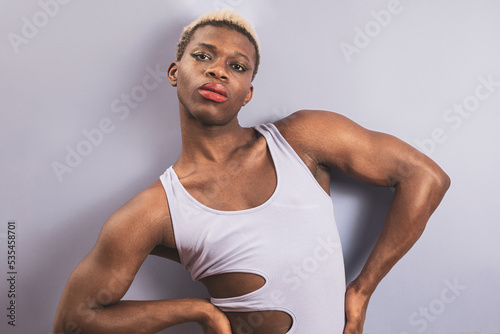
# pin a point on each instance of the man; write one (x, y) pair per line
(247, 210)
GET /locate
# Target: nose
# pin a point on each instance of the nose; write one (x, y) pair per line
(216, 71)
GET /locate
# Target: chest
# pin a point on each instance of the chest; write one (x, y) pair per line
(237, 185)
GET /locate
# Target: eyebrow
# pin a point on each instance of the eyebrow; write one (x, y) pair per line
(213, 47)
(242, 55)
(208, 46)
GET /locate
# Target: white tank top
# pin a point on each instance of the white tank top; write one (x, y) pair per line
(291, 241)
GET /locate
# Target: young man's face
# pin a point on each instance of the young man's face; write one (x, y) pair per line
(213, 77)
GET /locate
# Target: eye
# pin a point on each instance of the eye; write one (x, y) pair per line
(201, 56)
(239, 67)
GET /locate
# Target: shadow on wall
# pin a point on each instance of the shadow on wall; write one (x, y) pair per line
(360, 212)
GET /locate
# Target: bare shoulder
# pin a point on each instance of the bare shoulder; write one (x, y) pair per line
(313, 132)
(306, 127)
(306, 118)
(146, 216)
(305, 130)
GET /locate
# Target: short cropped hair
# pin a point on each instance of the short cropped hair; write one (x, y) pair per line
(220, 18)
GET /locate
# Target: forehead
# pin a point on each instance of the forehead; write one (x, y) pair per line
(223, 38)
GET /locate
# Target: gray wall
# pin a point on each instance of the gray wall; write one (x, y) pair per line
(424, 71)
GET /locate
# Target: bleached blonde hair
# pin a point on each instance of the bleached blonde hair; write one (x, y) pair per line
(220, 18)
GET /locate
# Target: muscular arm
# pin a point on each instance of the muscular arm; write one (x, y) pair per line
(333, 141)
(91, 301)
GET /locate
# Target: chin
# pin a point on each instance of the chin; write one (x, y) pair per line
(214, 121)
(211, 118)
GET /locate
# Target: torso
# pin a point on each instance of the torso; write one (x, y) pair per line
(246, 181)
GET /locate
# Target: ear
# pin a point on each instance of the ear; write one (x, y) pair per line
(249, 95)
(172, 73)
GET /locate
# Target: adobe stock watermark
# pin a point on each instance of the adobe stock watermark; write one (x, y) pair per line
(424, 315)
(364, 35)
(31, 26)
(456, 114)
(298, 273)
(94, 137)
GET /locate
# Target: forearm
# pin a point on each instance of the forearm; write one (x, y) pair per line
(132, 316)
(414, 202)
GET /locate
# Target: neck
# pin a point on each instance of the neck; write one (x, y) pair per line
(202, 144)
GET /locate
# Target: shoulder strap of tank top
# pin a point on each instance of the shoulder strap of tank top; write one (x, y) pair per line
(279, 143)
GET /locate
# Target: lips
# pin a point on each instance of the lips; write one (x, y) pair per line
(214, 92)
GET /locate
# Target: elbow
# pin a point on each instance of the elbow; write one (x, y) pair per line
(60, 324)
(437, 184)
(442, 181)
(70, 320)
(60, 320)
(447, 183)
(431, 182)
(65, 325)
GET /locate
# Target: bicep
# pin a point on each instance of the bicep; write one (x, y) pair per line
(373, 157)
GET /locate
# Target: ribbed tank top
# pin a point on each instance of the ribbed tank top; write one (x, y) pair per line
(291, 240)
